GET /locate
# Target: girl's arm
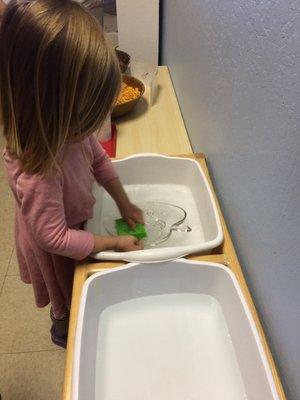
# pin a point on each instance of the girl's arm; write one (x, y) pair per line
(43, 210)
(130, 212)
(106, 176)
(119, 243)
(103, 168)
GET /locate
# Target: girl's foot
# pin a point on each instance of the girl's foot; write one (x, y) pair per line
(59, 330)
(58, 340)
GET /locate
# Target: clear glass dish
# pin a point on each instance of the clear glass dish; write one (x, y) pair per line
(161, 219)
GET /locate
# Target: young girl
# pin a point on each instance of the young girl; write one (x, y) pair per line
(58, 82)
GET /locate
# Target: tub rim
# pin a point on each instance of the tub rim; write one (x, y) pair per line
(176, 252)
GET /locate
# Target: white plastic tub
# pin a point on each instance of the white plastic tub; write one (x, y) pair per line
(177, 330)
(157, 178)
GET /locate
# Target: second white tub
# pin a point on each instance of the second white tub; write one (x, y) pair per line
(177, 330)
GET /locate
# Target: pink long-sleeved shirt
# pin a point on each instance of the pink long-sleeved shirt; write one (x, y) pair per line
(50, 213)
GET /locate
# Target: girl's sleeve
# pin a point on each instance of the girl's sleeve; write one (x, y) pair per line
(103, 168)
(43, 210)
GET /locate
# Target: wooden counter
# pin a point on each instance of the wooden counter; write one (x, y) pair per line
(160, 129)
(156, 129)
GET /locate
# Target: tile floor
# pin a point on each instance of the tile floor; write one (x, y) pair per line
(31, 367)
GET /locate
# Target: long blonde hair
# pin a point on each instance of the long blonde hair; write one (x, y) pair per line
(58, 79)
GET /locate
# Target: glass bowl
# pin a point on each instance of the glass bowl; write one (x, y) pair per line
(161, 219)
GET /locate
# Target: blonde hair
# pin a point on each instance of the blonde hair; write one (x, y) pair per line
(58, 79)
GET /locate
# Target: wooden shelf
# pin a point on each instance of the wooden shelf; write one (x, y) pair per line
(156, 129)
(159, 130)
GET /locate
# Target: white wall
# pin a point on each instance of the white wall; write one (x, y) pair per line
(138, 29)
(235, 68)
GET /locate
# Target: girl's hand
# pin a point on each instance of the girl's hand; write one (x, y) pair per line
(129, 211)
(132, 214)
(128, 243)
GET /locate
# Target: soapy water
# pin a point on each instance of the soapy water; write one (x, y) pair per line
(171, 346)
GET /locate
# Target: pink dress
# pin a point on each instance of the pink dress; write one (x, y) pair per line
(50, 213)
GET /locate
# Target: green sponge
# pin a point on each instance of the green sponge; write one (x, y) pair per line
(124, 229)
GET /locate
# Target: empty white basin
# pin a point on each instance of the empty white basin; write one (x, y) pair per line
(157, 178)
(177, 330)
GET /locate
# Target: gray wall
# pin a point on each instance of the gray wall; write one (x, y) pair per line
(234, 65)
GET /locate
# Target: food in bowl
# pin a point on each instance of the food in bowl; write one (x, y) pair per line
(127, 93)
(131, 92)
